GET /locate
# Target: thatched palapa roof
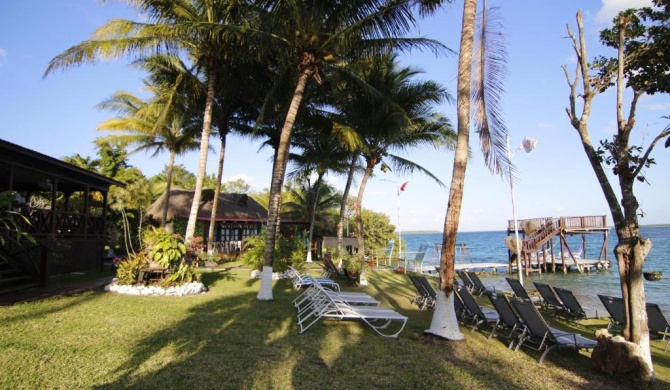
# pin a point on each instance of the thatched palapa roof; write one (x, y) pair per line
(231, 208)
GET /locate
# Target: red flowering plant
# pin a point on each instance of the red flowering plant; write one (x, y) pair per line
(196, 252)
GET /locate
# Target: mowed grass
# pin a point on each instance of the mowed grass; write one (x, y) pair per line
(226, 339)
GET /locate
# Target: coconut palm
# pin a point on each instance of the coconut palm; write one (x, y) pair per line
(321, 151)
(201, 28)
(488, 65)
(397, 114)
(315, 35)
(242, 88)
(152, 125)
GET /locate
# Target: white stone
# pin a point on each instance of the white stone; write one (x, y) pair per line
(255, 274)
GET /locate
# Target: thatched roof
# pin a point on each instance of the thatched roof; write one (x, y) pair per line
(231, 207)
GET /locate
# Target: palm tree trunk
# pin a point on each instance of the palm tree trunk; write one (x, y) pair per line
(446, 324)
(359, 210)
(343, 205)
(278, 172)
(168, 187)
(312, 216)
(202, 161)
(217, 191)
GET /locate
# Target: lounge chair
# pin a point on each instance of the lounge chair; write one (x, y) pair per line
(331, 271)
(326, 305)
(539, 336)
(467, 282)
(508, 319)
(550, 300)
(307, 298)
(657, 322)
(299, 281)
(573, 308)
(475, 313)
(479, 286)
(426, 294)
(417, 261)
(430, 290)
(520, 292)
(615, 308)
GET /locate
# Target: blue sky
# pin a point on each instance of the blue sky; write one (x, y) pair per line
(57, 115)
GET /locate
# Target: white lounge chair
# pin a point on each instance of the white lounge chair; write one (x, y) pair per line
(326, 305)
(299, 281)
(307, 298)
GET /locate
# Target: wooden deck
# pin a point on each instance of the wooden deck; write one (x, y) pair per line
(539, 243)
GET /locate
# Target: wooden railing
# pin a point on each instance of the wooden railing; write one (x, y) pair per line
(44, 221)
(586, 222)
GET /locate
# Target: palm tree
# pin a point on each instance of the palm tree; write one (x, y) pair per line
(314, 35)
(198, 27)
(321, 152)
(237, 105)
(397, 115)
(151, 125)
(492, 133)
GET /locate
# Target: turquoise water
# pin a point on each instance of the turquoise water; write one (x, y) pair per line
(490, 247)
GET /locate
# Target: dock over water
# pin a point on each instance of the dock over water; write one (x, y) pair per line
(537, 243)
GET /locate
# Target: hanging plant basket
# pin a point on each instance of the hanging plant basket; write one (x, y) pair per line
(653, 276)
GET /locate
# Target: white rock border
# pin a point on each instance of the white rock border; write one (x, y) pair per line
(178, 291)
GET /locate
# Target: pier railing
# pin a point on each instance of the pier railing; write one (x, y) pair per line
(564, 223)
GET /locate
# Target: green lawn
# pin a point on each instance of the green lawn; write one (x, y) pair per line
(226, 339)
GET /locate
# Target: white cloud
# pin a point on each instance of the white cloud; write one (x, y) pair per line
(3, 53)
(544, 125)
(611, 8)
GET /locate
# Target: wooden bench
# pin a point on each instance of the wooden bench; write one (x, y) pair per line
(152, 274)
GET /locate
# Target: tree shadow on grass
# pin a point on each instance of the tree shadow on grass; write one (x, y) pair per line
(233, 341)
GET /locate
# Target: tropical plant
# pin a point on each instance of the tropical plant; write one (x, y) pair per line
(317, 35)
(10, 224)
(200, 28)
(288, 251)
(162, 122)
(128, 270)
(640, 37)
(164, 248)
(399, 114)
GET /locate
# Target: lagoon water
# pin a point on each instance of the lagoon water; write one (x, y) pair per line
(490, 247)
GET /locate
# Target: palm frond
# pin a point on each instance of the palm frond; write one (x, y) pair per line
(490, 71)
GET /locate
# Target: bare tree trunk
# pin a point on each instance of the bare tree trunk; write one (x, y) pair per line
(217, 192)
(202, 161)
(631, 249)
(446, 326)
(278, 172)
(168, 187)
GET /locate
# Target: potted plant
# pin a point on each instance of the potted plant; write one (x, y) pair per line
(354, 266)
(653, 276)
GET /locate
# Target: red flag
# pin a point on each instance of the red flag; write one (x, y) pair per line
(402, 187)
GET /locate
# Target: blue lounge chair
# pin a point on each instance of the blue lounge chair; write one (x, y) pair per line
(508, 319)
(474, 312)
(520, 292)
(550, 300)
(615, 308)
(573, 308)
(539, 336)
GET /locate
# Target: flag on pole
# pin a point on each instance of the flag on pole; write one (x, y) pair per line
(402, 187)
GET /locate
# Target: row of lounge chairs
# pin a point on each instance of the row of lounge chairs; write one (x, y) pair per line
(472, 282)
(656, 320)
(319, 301)
(563, 302)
